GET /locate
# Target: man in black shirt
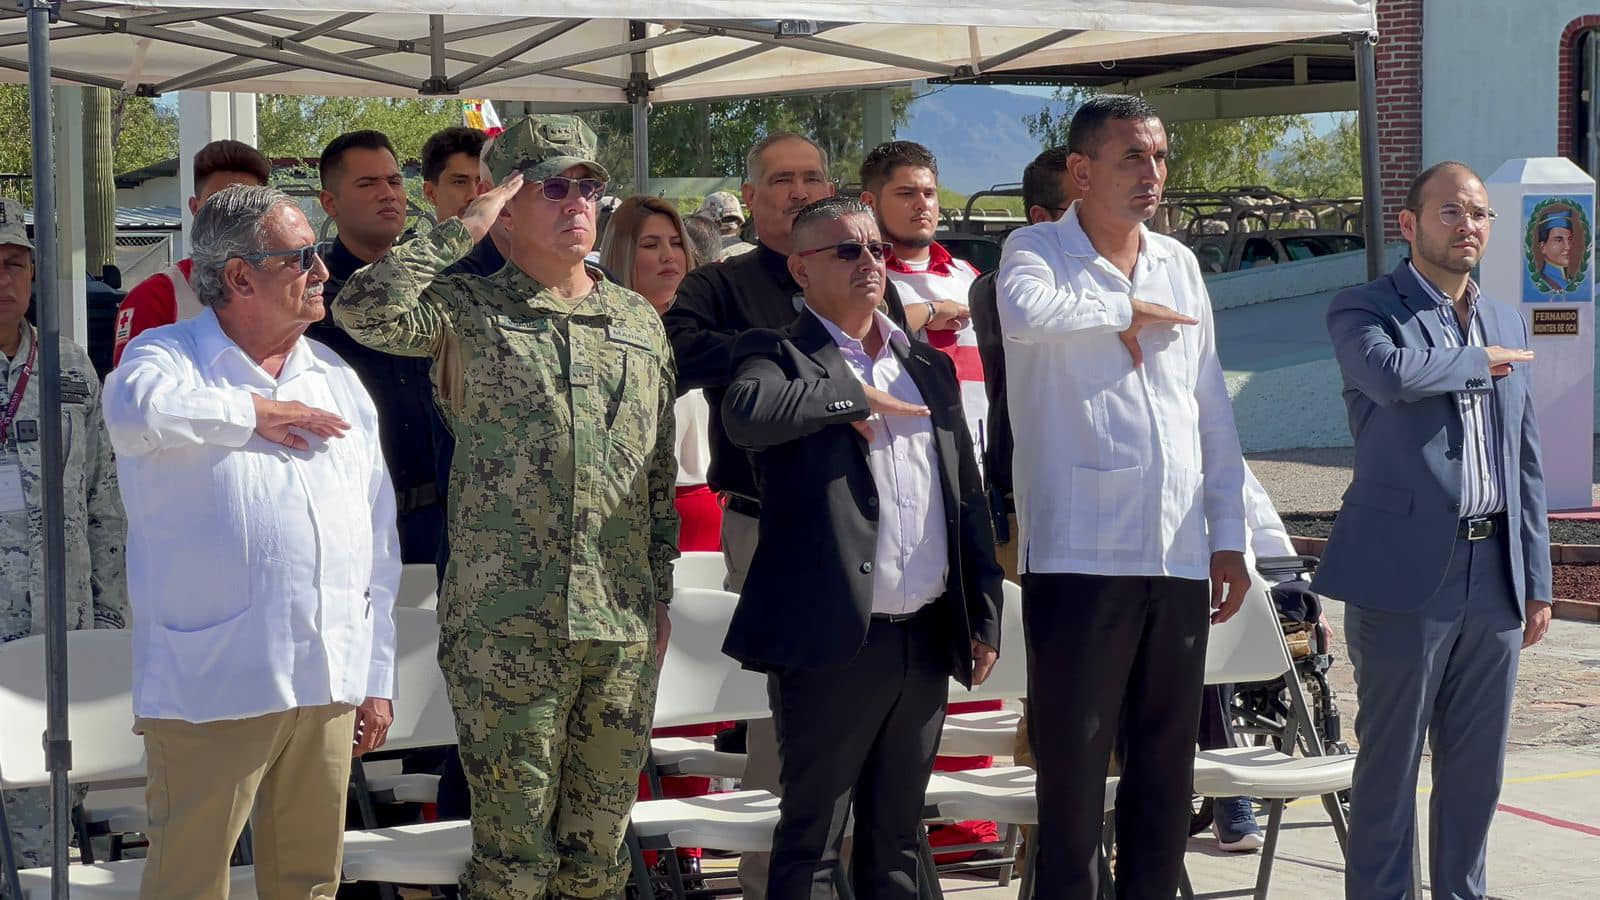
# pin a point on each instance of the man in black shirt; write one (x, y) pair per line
(363, 192)
(716, 303)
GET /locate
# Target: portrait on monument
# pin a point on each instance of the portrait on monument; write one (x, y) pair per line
(1557, 249)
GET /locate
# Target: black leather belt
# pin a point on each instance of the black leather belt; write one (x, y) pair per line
(1481, 528)
(897, 618)
(744, 506)
(412, 499)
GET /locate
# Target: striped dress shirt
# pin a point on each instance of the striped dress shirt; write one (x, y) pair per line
(1482, 484)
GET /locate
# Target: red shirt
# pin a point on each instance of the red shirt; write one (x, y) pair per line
(151, 304)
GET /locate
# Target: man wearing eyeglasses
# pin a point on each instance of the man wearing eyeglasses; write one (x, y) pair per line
(1441, 551)
(558, 386)
(874, 579)
(262, 561)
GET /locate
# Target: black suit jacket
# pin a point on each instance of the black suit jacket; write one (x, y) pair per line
(717, 303)
(807, 598)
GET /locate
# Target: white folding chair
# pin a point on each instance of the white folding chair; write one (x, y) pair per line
(105, 751)
(419, 587)
(1250, 648)
(1004, 794)
(700, 569)
(698, 684)
(992, 733)
(422, 714)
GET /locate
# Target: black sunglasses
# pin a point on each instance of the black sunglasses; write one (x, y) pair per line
(308, 256)
(850, 251)
(557, 187)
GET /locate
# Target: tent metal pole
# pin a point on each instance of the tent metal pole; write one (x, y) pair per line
(58, 749)
(1364, 44)
(639, 96)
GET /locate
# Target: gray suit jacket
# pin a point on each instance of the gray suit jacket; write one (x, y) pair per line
(1396, 531)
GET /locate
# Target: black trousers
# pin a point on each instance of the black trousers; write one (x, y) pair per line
(1114, 660)
(862, 735)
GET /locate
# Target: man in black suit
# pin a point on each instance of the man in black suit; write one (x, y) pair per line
(874, 579)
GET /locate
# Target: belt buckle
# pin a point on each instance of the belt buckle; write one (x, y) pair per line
(1479, 529)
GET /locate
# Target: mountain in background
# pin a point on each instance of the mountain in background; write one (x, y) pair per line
(976, 132)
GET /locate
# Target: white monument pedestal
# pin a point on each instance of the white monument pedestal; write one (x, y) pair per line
(1541, 258)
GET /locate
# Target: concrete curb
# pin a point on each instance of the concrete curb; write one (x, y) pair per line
(1560, 554)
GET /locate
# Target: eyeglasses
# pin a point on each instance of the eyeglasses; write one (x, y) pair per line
(308, 256)
(557, 187)
(1451, 215)
(850, 251)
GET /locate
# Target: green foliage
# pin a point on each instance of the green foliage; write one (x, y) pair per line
(1327, 165)
(711, 139)
(1280, 152)
(143, 133)
(300, 127)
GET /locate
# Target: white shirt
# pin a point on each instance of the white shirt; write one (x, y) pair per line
(912, 559)
(1118, 470)
(261, 578)
(692, 416)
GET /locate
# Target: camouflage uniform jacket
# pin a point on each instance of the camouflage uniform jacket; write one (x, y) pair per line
(562, 521)
(97, 588)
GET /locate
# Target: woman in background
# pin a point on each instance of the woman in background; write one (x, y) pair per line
(647, 249)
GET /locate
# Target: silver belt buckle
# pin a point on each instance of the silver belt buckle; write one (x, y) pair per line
(1479, 529)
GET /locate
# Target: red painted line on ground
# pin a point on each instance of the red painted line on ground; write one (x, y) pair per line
(1579, 827)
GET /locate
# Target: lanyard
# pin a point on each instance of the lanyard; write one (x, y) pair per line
(15, 403)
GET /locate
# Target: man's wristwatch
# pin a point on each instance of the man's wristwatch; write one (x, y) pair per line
(933, 313)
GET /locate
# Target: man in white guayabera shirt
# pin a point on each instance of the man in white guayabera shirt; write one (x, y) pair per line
(1130, 496)
(263, 562)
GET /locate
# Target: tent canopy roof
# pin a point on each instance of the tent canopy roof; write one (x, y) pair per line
(674, 50)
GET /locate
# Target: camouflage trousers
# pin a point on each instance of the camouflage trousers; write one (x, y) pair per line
(553, 734)
(28, 815)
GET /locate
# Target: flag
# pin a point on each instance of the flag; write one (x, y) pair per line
(480, 114)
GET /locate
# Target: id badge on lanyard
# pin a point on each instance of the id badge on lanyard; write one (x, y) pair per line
(11, 497)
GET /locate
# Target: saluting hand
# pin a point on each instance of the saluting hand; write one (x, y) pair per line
(883, 403)
(1501, 358)
(277, 419)
(1146, 315)
(481, 213)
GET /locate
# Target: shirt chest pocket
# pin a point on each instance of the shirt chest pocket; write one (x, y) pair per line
(519, 365)
(629, 378)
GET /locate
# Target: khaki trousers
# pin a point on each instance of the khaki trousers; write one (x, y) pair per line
(292, 768)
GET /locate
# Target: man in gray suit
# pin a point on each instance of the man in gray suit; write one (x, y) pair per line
(1442, 549)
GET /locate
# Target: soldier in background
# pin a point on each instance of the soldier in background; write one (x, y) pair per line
(96, 589)
(559, 388)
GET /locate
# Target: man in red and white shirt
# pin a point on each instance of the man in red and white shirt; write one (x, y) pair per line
(166, 297)
(900, 182)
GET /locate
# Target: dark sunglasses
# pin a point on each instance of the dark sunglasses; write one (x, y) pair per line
(557, 187)
(850, 251)
(307, 260)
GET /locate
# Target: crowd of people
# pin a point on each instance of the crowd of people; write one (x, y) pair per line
(873, 434)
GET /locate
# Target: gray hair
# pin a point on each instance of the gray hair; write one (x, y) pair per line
(753, 169)
(828, 209)
(230, 224)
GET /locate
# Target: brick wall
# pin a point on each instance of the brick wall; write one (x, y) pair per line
(1399, 69)
(1568, 82)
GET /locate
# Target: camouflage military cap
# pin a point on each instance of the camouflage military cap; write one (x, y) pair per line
(542, 146)
(12, 229)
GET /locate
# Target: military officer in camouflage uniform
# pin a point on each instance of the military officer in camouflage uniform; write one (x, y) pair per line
(96, 589)
(558, 386)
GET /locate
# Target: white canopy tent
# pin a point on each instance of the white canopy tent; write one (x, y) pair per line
(637, 52)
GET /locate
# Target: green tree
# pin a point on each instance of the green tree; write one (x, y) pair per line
(299, 127)
(143, 132)
(710, 139)
(1322, 165)
(1207, 155)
